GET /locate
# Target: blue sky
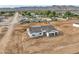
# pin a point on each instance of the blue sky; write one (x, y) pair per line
(13, 3)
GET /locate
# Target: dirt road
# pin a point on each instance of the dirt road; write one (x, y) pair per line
(68, 49)
(8, 35)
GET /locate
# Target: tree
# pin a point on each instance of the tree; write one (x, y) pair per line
(68, 14)
(54, 14)
(59, 14)
(48, 12)
(50, 15)
(28, 13)
(24, 13)
(2, 12)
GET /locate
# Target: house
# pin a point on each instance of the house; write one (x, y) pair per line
(49, 30)
(38, 20)
(24, 19)
(37, 31)
(2, 18)
(76, 24)
(47, 19)
(35, 20)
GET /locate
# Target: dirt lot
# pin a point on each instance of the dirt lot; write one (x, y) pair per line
(67, 42)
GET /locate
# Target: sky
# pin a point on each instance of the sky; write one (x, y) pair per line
(13, 3)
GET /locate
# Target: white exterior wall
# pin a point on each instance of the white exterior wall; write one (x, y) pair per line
(76, 25)
(35, 34)
(54, 32)
(28, 32)
(47, 34)
(38, 33)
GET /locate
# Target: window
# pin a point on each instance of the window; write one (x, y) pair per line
(39, 33)
(33, 35)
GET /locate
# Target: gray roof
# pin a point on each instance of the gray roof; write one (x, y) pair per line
(35, 29)
(38, 20)
(77, 23)
(48, 28)
(2, 17)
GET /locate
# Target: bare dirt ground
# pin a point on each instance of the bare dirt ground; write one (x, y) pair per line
(8, 35)
(68, 42)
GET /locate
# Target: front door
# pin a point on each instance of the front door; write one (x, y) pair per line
(51, 34)
(44, 33)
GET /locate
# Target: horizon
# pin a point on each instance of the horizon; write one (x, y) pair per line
(13, 6)
(17, 3)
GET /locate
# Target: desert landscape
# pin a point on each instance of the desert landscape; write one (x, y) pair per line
(15, 39)
(20, 42)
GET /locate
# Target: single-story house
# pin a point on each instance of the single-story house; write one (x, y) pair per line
(37, 31)
(24, 20)
(49, 30)
(76, 24)
(47, 19)
(2, 18)
(38, 20)
(35, 20)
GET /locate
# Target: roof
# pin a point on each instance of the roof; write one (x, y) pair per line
(35, 29)
(39, 24)
(36, 20)
(47, 28)
(77, 23)
(2, 17)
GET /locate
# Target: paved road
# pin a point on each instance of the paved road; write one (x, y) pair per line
(7, 37)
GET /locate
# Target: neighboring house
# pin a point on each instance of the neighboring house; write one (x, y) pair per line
(48, 19)
(4, 21)
(37, 31)
(38, 20)
(35, 20)
(76, 24)
(4, 24)
(2, 18)
(38, 16)
(24, 20)
(59, 19)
